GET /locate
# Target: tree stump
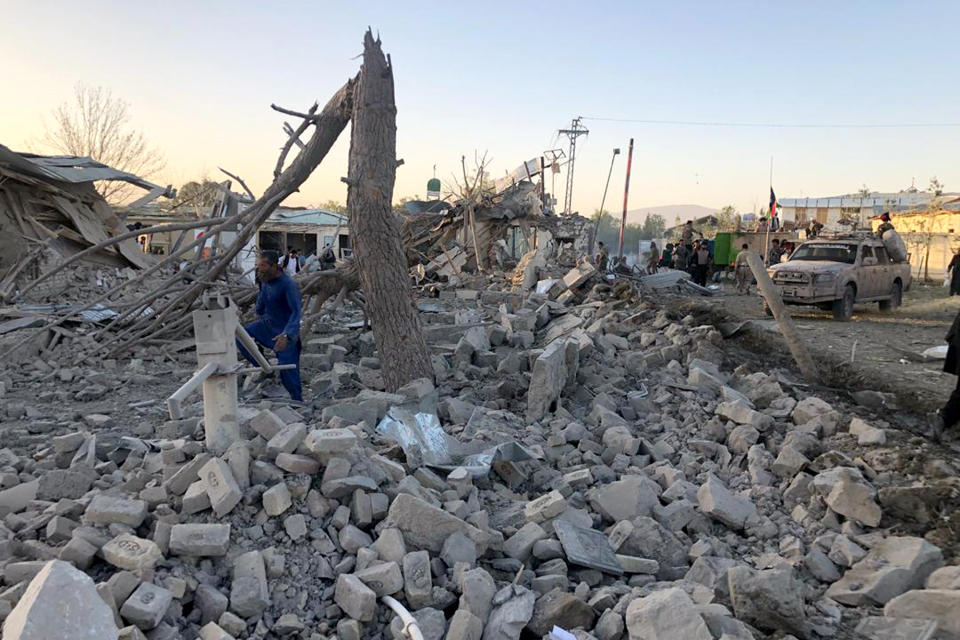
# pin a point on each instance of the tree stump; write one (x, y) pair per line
(375, 230)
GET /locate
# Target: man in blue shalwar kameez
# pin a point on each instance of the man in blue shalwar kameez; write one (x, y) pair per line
(278, 320)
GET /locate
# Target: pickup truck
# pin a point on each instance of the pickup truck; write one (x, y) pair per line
(834, 274)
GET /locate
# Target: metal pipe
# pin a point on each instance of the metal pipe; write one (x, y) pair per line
(410, 627)
(251, 346)
(626, 193)
(174, 401)
(596, 227)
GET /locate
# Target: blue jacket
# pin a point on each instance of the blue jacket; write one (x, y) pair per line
(278, 305)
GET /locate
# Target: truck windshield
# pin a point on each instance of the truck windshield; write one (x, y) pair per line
(834, 252)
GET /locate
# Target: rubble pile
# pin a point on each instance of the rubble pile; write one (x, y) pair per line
(603, 468)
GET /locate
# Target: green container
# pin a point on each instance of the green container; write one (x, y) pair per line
(723, 251)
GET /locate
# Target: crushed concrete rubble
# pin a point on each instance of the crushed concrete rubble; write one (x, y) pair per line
(668, 490)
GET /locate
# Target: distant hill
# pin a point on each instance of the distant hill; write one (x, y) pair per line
(669, 213)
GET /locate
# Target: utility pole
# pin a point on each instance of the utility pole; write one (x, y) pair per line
(626, 194)
(596, 227)
(575, 131)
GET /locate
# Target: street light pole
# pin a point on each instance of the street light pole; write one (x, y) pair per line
(596, 228)
(626, 194)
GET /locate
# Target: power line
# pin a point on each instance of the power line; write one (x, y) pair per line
(775, 125)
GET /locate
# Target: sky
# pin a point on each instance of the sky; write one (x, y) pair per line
(503, 77)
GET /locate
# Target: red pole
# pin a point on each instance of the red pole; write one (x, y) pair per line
(626, 193)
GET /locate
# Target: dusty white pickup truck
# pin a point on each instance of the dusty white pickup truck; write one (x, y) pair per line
(834, 274)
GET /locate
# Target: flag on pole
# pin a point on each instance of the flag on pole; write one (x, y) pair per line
(774, 218)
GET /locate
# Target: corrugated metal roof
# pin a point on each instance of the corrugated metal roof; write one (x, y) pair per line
(319, 217)
(75, 169)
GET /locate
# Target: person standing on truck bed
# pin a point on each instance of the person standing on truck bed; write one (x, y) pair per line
(885, 225)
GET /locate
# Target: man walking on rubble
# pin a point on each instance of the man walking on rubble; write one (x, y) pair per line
(278, 320)
(602, 257)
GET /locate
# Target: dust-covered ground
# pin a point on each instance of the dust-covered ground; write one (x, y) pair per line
(875, 350)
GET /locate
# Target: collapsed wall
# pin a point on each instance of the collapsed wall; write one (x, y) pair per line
(581, 460)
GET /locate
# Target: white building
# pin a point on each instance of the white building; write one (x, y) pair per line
(829, 211)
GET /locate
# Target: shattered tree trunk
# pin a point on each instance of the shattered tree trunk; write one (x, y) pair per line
(789, 330)
(375, 230)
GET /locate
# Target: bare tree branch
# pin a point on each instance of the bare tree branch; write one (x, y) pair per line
(97, 124)
(242, 183)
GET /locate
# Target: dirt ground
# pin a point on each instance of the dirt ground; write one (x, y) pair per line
(877, 350)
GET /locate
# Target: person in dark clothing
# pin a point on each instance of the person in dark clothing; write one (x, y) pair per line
(602, 257)
(702, 263)
(885, 225)
(947, 418)
(328, 260)
(278, 321)
(666, 260)
(954, 269)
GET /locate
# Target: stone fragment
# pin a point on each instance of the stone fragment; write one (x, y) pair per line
(548, 377)
(200, 539)
(940, 605)
(883, 628)
(267, 424)
(330, 441)
(520, 544)
(477, 589)
(78, 552)
(464, 626)
(104, 509)
(558, 608)
(196, 499)
(867, 435)
(277, 499)
(60, 602)
(546, 507)
(809, 408)
(58, 484)
(458, 548)
(743, 414)
(213, 631)
(390, 545)
(893, 566)
(355, 598)
(427, 527)
(296, 526)
(855, 500)
(820, 566)
(385, 578)
(287, 439)
(720, 504)
(625, 499)
(294, 463)
(513, 608)
(249, 594)
(211, 603)
(770, 599)
(944, 578)
(129, 552)
(711, 571)
(417, 579)
(146, 606)
(221, 487)
(669, 613)
(186, 475)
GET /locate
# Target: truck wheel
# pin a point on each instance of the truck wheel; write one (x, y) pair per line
(843, 308)
(896, 298)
